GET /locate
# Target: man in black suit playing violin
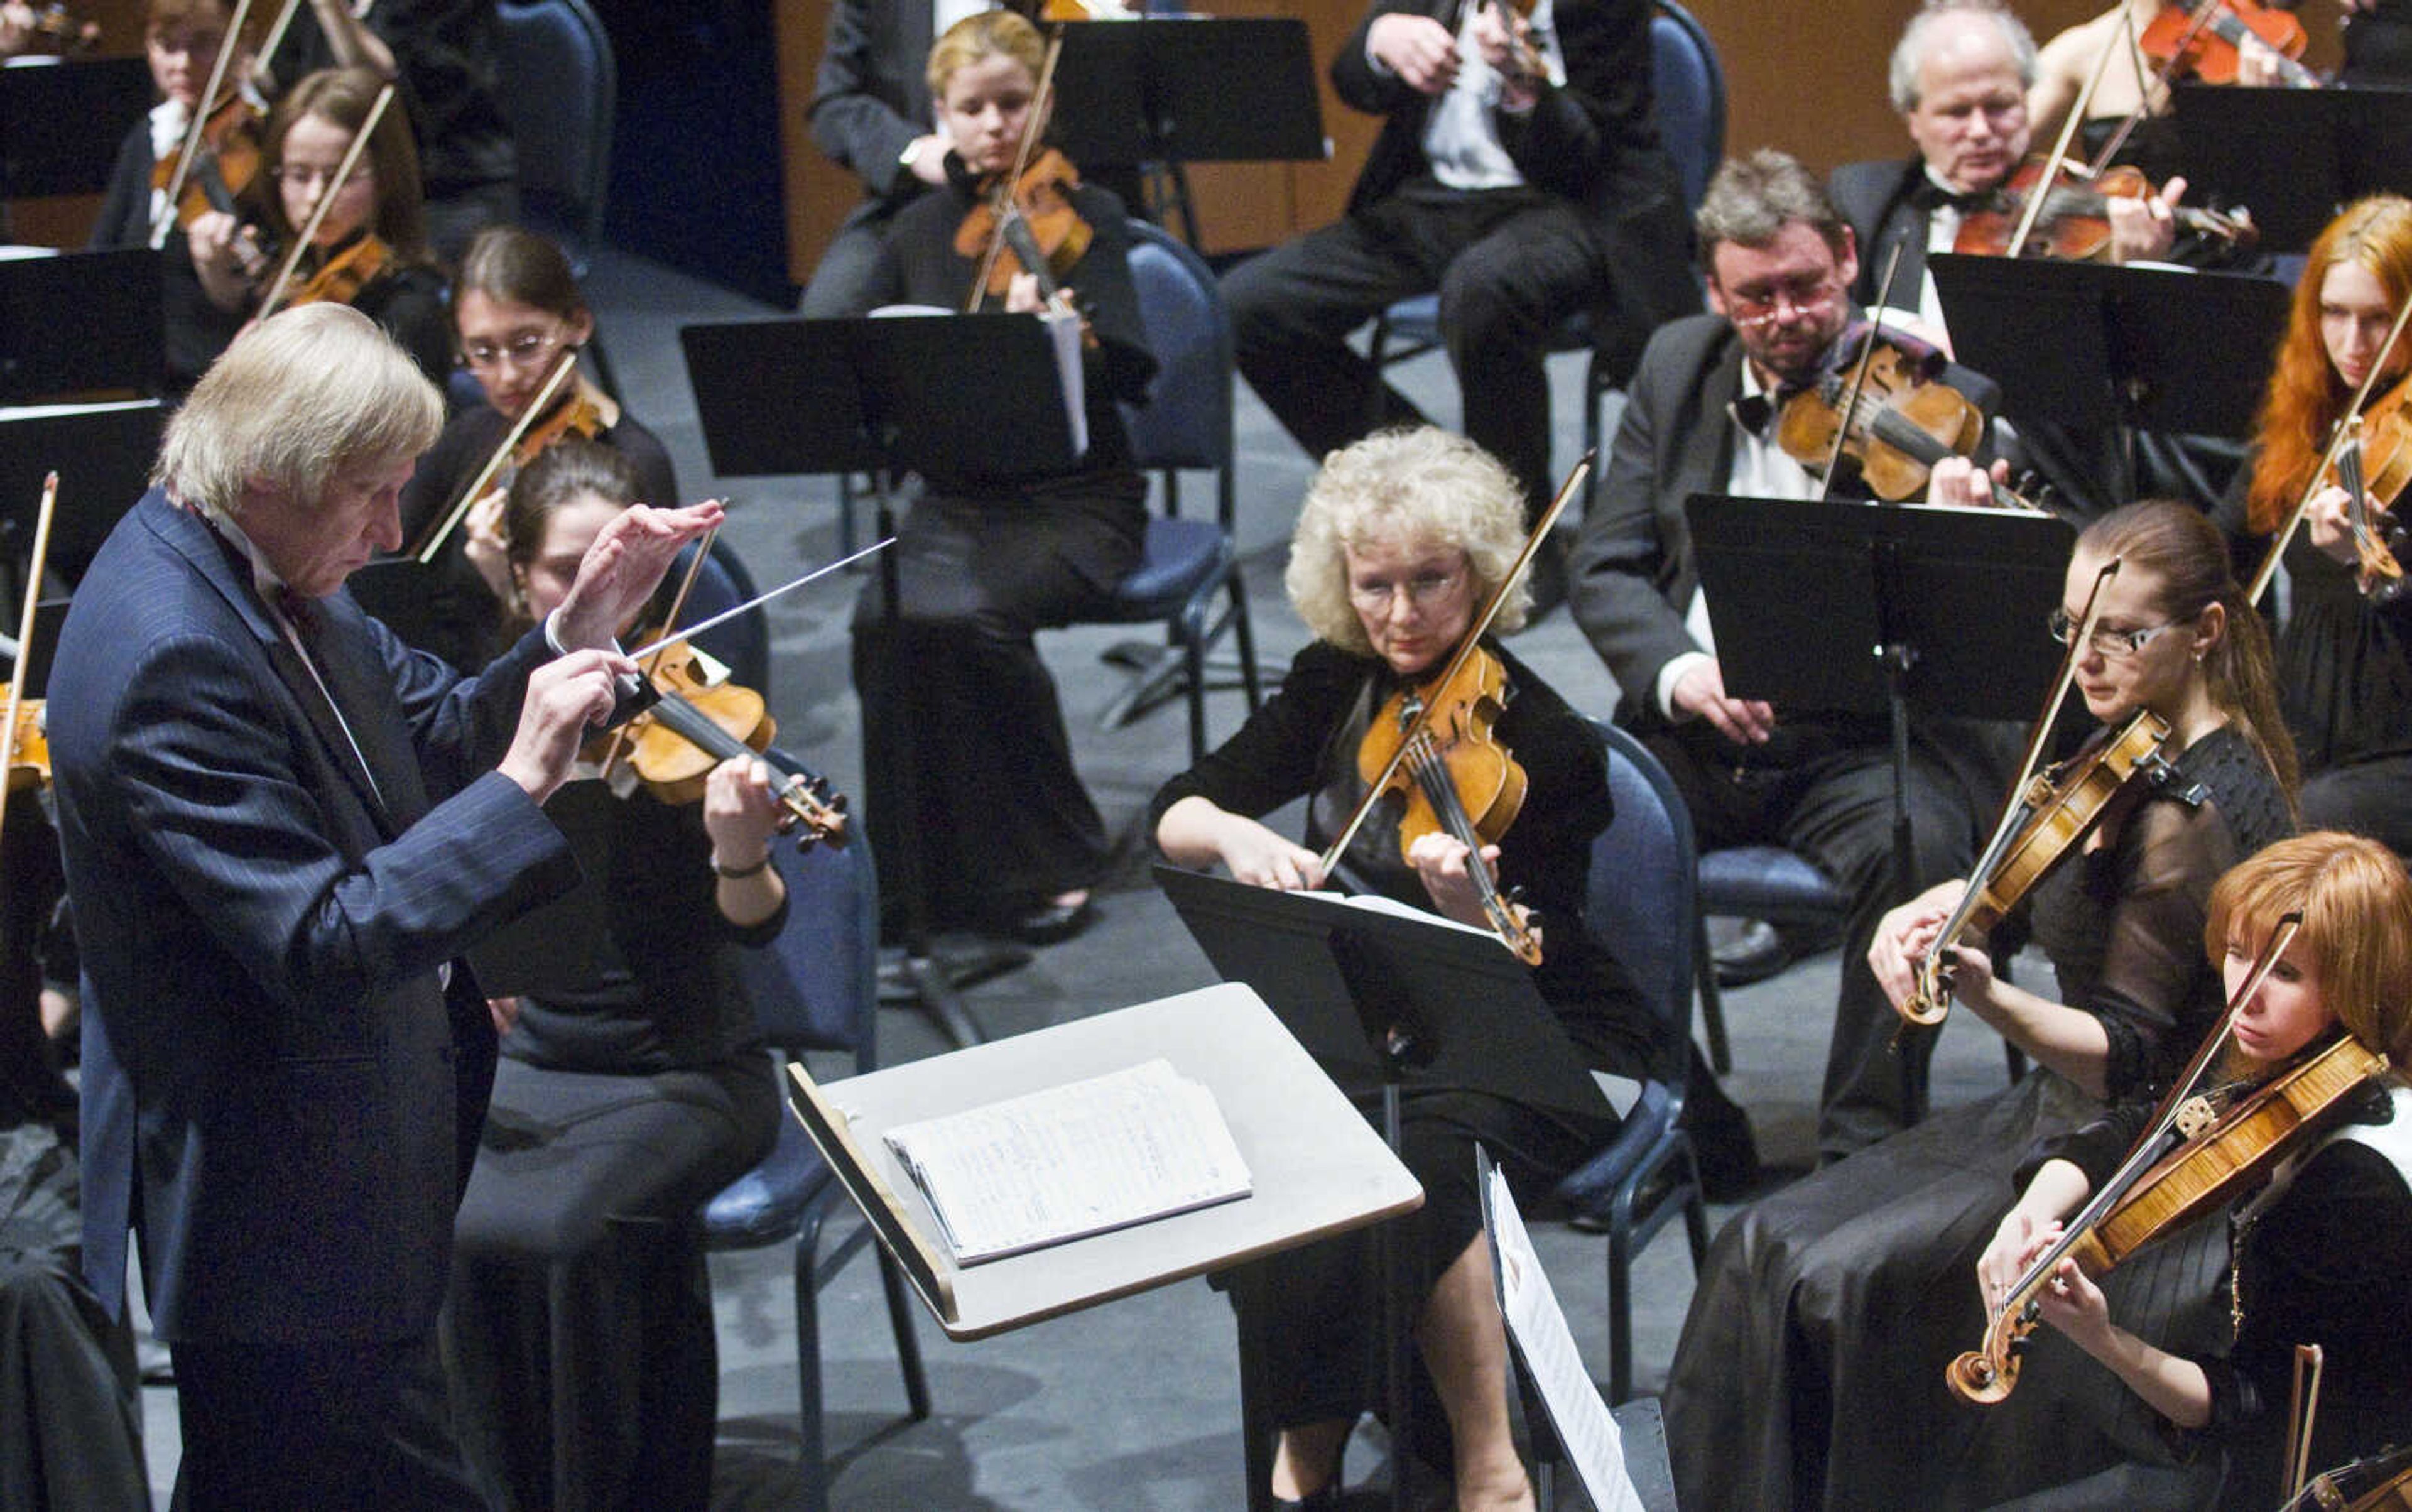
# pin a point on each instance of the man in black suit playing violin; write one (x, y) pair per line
(1701, 417)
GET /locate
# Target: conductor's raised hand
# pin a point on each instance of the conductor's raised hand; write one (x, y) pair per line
(566, 697)
(624, 566)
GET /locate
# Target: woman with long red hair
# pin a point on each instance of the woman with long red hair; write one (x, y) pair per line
(2344, 662)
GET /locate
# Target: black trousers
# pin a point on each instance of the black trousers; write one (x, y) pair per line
(1836, 807)
(1508, 265)
(349, 1424)
(998, 812)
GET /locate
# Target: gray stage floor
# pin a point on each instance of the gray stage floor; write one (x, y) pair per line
(1134, 1404)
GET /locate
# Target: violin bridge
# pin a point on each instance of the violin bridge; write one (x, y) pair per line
(2195, 1117)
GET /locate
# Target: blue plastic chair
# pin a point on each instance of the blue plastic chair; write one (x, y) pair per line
(1689, 93)
(1640, 905)
(1185, 564)
(815, 988)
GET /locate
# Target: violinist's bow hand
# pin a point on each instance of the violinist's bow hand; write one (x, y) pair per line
(1418, 49)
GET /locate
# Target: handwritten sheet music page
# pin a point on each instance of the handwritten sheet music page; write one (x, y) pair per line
(1084, 1158)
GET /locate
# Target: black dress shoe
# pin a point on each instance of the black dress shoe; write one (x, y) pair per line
(1046, 922)
(1746, 950)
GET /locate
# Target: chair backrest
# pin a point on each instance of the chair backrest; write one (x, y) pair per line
(742, 644)
(1689, 85)
(559, 85)
(816, 986)
(1187, 421)
(1640, 902)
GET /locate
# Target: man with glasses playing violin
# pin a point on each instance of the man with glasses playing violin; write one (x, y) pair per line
(1702, 418)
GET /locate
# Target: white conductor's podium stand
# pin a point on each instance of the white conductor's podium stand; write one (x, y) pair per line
(1318, 1167)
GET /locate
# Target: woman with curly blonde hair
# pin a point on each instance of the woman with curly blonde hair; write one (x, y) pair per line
(2344, 664)
(1402, 538)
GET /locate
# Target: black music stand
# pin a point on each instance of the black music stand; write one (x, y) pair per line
(33, 670)
(2091, 347)
(961, 395)
(1398, 998)
(1824, 607)
(60, 122)
(116, 341)
(102, 454)
(2340, 144)
(1198, 90)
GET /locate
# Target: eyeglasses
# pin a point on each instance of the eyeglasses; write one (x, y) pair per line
(2109, 643)
(1803, 298)
(520, 350)
(1423, 590)
(312, 178)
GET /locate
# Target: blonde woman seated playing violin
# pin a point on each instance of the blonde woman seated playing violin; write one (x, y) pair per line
(1402, 541)
(370, 249)
(2322, 1250)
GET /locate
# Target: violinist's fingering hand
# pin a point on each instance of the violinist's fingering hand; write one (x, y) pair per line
(1022, 295)
(214, 241)
(1418, 49)
(1905, 933)
(2145, 228)
(740, 813)
(2325, 521)
(1443, 864)
(566, 696)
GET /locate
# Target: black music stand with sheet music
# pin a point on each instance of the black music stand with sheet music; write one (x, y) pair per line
(60, 121)
(2092, 347)
(102, 454)
(2340, 145)
(975, 394)
(1175, 90)
(1384, 998)
(116, 342)
(1826, 608)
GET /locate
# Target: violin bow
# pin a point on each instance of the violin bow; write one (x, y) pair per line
(1860, 375)
(2301, 1410)
(16, 707)
(2269, 567)
(1041, 100)
(674, 636)
(2006, 827)
(2197, 18)
(280, 289)
(276, 30)
(1465, 652)
(201, 112)
(566, 363)
(2057, 162)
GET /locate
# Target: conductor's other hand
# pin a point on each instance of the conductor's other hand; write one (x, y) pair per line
(564, 697)
(624, 566)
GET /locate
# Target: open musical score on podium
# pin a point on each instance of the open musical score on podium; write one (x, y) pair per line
(1082, 1158)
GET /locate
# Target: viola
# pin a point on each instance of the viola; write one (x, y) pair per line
(2189, 44)
(2058, 809)
(1415, 747)
(1441, 755)
(690, 725)
(2073, 221)
(2156, 1193)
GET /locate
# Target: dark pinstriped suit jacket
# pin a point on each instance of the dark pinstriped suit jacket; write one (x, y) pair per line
(277, 1088)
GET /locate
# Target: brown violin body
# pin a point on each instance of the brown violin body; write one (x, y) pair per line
(27, 759)
(1043, 198)
(2062, 806)
(2241, 1148)
(225, 166)
(695, 726)
(2373, 466)
(339, 279)
(2075, 222)
(2210, 51)
(1899, 426)
(1455, 776)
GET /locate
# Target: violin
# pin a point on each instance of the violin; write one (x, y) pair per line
(2155, 1194)
(2073, 219)
(2058, 809)
(2376, 572)
(1526, 68)
(339, 279)
(59, 30)
(223, 162)
(2203, 40)
(689, 725)
(2388, 419)
(2381, 1483)
(27, 754)
(1900, 423)
(1438, 748)
(1037, 197)
(1423, 739)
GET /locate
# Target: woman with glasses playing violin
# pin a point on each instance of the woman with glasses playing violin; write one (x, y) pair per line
(1811, 1367)
(370, 250)
(516, 312)
(2344, 656)
(632, 1086)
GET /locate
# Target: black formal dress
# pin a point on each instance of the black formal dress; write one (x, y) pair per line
(1810, 1373)
(1325, 1320)
(447, 608)
(1596, 225)
(634, 1086)
(999, 815)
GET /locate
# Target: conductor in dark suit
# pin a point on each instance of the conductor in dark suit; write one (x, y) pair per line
(282, 828)
(1700, 419)
(1520, 199)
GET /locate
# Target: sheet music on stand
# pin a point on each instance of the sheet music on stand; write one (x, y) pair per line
(1537, 1326)
(1082, 1158)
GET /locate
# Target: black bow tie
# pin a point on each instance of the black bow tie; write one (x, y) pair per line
(1927, 196)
